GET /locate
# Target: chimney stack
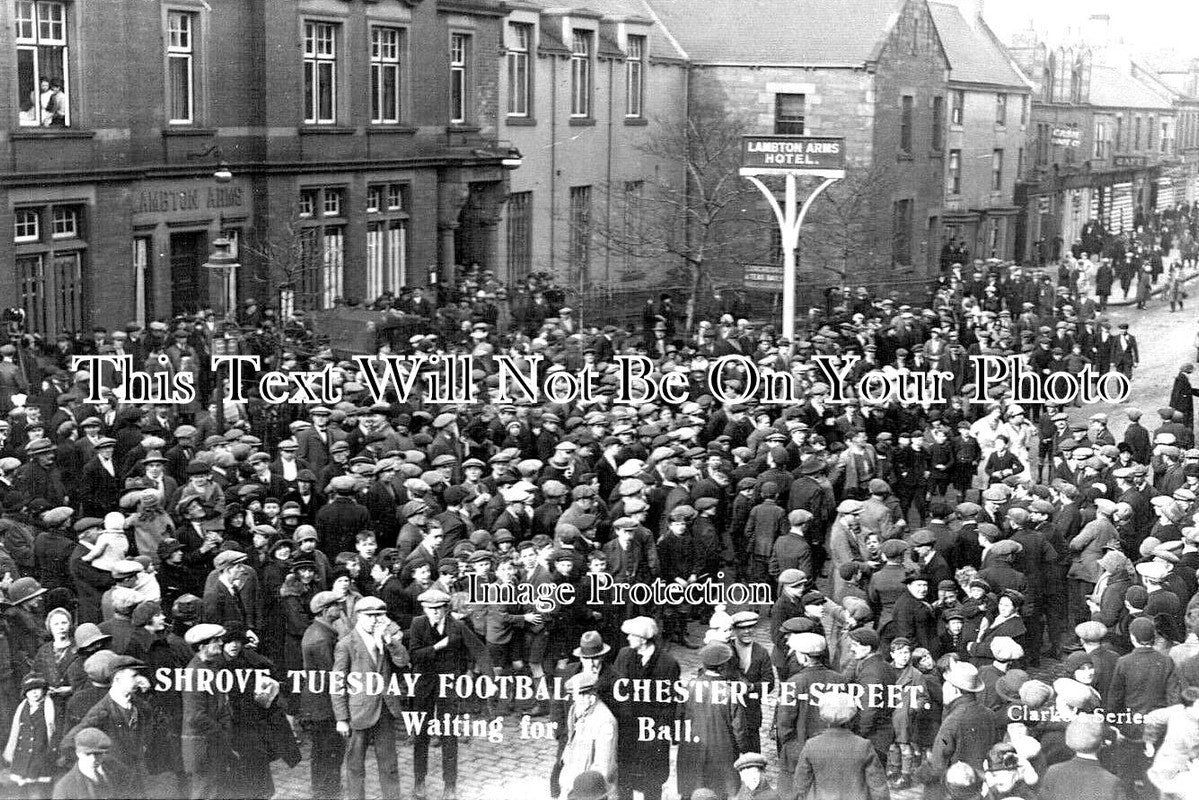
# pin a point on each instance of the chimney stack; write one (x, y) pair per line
(1098, 30)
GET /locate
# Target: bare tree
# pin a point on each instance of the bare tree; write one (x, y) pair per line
(838, 233)
(288, 261)
(689, 226)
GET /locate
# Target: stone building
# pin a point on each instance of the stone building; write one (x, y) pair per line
(583, 91)
(987, 119)
(871, 71)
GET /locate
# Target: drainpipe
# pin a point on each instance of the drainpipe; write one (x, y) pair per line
(553, 160)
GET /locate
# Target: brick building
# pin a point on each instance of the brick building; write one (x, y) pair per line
(872, 71)
(361, 138)
(987, 118)
(584, 89)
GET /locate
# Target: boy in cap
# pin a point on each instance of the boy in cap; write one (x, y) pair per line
(208, 747)
(438, 643)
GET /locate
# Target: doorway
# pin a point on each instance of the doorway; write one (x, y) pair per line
(189, 284)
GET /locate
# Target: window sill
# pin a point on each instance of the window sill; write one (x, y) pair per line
(335, 130)
(520, 122)
(636, 122)
(462, 128)
(903, 156)
(402, 130)
(582, 122)
(187, 130)
(51, 133)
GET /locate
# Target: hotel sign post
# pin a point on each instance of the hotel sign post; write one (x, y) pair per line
(791, 157)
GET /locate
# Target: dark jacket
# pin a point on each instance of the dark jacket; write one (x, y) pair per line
(1081, 779)
(838, 765)
(966, 734)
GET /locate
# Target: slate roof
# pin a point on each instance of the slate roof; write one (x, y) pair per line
(799, 32)
(974, 57)
(1116, 88)
(660, 43)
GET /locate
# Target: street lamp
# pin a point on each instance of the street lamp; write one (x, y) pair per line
(224, 264)
(222, 174)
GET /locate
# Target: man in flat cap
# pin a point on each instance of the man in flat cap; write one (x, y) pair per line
(339, 521)
(89, 777)
(798, 722)
(837, 760)
(438, 643)
(643, 765)
(718, 730)
(365, 719)
(125, 718)
(316, 707)
(209, 752)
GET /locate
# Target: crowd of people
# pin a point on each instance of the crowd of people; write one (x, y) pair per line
(1001, 571)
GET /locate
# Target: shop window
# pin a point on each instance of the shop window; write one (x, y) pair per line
(318, 280)
(43, 68)
(386, 242)
(49, 268)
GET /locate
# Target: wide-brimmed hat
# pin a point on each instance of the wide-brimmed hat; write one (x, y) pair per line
(964, 676)
(591, 645)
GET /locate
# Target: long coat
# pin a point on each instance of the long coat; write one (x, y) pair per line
(966, 734)
(643, 763)
(590, 745)
(722, 736)
(318, 646)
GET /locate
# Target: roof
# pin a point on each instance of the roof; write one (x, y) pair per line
(1115, 88)
(660, 44)
(974, 57)
(799, 32)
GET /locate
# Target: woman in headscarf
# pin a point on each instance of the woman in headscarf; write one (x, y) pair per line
(1005, 622)
(54, 658)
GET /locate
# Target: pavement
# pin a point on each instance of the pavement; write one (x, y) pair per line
(518, 769)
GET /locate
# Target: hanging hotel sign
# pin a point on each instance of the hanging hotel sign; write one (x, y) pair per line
(815, 155)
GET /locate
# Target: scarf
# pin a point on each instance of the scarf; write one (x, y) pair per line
(47, 709)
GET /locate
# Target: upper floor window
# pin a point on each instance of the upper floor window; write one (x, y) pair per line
(386, 54)
(580, 74)
(955, 172)
(1001, 109)
(905, 124)
(1100, 140)
(27, 225)
(43, 79)
(459, 76)
(181, 66)
(519, 80)
(634, 76)
(320, 73)
(957, 109)
(789, 114)
(938, 122)
(996, 170)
